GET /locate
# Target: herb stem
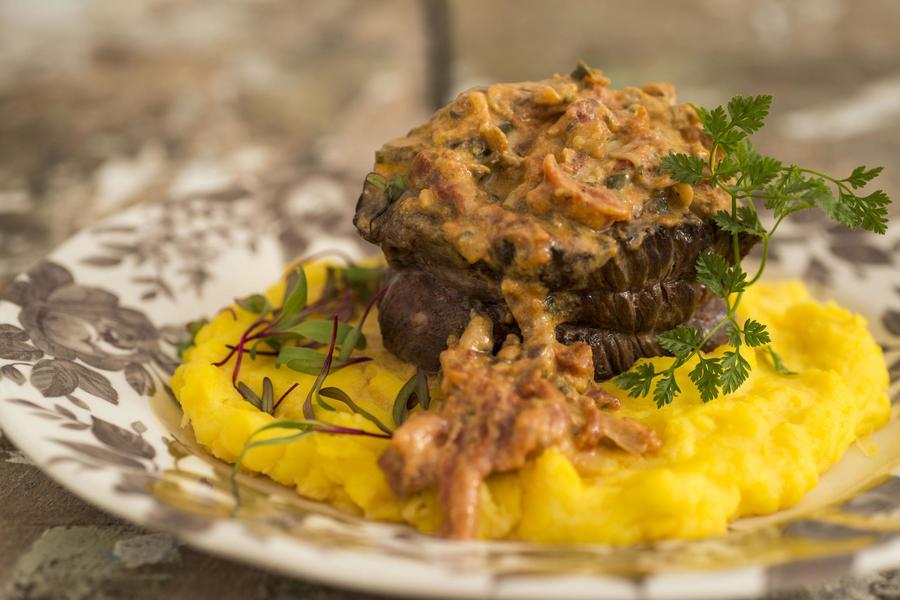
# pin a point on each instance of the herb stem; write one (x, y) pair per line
(284, 395)
(749, 177)
(840, 184)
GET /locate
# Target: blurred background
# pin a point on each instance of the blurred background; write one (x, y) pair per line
(104, 103)
(107, 103)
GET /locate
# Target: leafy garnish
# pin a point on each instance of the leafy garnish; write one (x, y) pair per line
(580, 71)
(192, 328)
(639, 380)
(303, 427)
(342, 396)
(393, 188)
(293, 333)
(308, 410)
(414, 392)
(735, 166)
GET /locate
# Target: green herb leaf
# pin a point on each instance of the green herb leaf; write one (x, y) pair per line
(192, 328)
(580, 71)
(748, 113)
(756, 170)
(403, 400)
(719, 127)
(666, 389)
(777, 363)
(792, 192)
(304, 360)
(755, 333)
(249, 395)
(715, 121)
(706, 376)
(861, 176)
(680, 341)
(727, 168)
(357, 275)
(719, 277)
(734, 334)
(422, 392)
(365, 281)
(865, 212)
(749, 220)
(267, 400)
(746, 175)
(377, 180)
(395, 188)
(319, 330)
(295, 297)
(684, 168)
(255, 303)
(308, 410)
(637, 381)
(727, 222)
(616, 181)
(341, 396)
(735, 370)
(711, 269)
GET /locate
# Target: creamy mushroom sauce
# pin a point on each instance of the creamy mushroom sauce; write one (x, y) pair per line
(531, 167)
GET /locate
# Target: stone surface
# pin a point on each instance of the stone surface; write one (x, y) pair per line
(105, 103)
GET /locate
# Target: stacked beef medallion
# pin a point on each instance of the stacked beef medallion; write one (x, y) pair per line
(552, 185)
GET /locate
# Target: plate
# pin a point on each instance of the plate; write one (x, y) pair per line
(88, 341)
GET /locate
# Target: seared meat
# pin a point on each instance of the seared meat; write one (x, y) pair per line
(615, 351)
(657, 307)
(544, 181)
(535, 244)
(420, 314)
(498, 411)
(634, 255)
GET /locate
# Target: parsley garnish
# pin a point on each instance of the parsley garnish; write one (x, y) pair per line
(735, 166)
(393, 188)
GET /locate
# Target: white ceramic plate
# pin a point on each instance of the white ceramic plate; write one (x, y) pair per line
(87, 344)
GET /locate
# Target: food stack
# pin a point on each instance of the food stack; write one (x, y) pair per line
(543, 203)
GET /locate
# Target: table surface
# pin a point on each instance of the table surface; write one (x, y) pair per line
(132, 98)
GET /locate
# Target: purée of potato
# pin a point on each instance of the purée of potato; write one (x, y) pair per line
(751, 452)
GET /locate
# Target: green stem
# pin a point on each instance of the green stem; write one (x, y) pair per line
(762, 261)
(712, 161)
(837, 182)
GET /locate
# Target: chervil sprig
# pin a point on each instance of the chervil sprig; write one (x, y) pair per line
(749, 178)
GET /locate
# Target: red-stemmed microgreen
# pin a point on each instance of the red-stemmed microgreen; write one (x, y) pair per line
(304, 427)
(286, 393)
(265, 401)
(414, 392)
(355, 335)
(308, 410)
(292, 333)
(342, 396)
(295, 335)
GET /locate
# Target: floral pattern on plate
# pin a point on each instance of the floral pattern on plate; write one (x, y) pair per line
(88, 341)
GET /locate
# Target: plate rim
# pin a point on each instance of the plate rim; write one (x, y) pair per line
(334, 573)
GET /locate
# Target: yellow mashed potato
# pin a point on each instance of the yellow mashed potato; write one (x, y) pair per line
(750, 453)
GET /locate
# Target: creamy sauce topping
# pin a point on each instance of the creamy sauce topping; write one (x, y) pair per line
(532, 167)
(539, 165)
